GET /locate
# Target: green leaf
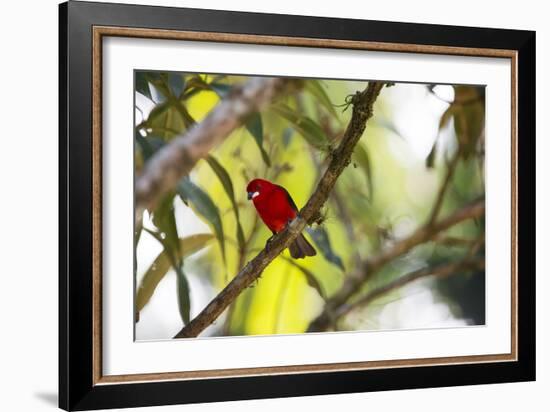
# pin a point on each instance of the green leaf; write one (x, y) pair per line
(142, 85)
(159, 93)
(203, 205)
(166, 120)
(196, 82)
(224, 177)
(469, 123)
(148, 145)
(165, 220)
(157, 111)
(256, 129)
(468, 110)
(309, 129)
(221, 89)
(184, 113)
(310, 277)
(321, 239)
(171, 87)
(176, 83)
(315, 87)
(184, 296)
(227, 184)
(161, 265)
(362, 159)
(153, 76)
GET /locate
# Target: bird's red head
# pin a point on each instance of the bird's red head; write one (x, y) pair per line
(258, 187)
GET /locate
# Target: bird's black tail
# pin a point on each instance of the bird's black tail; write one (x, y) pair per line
(301, 248)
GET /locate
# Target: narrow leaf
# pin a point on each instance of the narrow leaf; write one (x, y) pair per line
(159, 93)
(469, 123)
(142, 85)
(161, 265)
(256, 129)
(165, 120)
(310, 277)
(157, 111)
(223, 176)
(186, 117)
(315, 87)
(184, 296)
(321, 239)
(176, 83)
(362, 158)
(221, 89)
(165, 220)
(204, 206)
(196, 82)
(305, 126)
(227, 184)
(468, 110)
(148, 145)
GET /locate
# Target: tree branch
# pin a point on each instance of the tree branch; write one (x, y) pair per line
(371, 265)
(441, 271)
(443, 188)
(175, 160)
(362, 110)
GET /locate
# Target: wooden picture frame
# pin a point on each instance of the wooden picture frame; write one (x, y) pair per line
(83, 26)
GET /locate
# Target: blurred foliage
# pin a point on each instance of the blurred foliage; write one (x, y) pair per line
(162, 263)
(378, 199)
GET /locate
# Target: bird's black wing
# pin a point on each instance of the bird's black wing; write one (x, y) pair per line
(290, 200)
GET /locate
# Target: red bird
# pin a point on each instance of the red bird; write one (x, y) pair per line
(277, 209)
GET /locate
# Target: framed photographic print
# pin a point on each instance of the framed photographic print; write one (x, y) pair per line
(257, 205)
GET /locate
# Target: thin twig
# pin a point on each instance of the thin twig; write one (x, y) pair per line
(466, 263)
(443, 188)
(452, 241)
(340, 158)
(347, 222)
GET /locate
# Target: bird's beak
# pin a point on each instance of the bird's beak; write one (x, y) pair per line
(252, 195)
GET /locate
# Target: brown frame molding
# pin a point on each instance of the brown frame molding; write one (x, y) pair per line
(103, 31)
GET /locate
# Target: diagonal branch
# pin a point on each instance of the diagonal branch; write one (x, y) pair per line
(362, 110)
(176, 159)
(440, 271)
(371, 265)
